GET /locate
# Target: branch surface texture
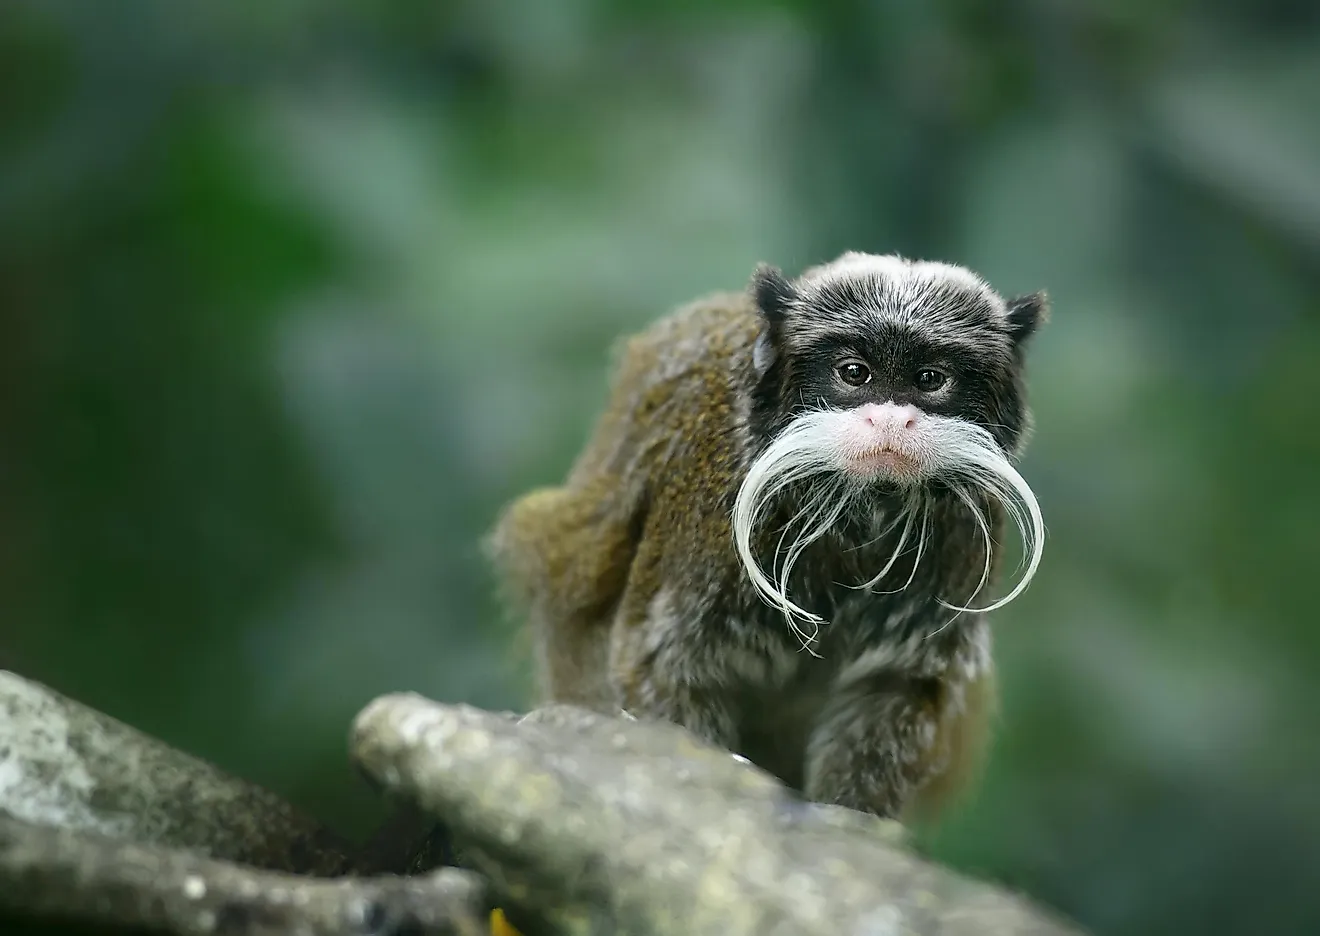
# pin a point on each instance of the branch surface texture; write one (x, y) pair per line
(79, 876)
(574, 823)
(66, 765)
(600, 825)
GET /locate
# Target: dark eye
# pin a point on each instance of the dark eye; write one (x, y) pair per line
(854, 373)
(928, 380)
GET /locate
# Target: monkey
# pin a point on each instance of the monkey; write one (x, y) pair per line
(776, 532)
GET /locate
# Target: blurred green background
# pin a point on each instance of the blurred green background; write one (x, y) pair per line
(294, 295)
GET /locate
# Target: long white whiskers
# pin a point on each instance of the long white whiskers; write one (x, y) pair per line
(813, 529)
(921, 546)
(814, 447)
(821, 521)
(806, 449)
(905, 514)
(968, 451)
(984, 527)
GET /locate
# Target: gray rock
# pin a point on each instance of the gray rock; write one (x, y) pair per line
(64, 764)
(83, 877)
(595, 825)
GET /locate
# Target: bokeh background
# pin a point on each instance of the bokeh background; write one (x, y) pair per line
(294, 295)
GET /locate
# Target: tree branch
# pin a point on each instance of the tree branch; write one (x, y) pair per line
(596, 825)
(64, 764)
(78, 876)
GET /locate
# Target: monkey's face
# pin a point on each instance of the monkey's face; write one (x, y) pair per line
(896, 350)
(876, 373)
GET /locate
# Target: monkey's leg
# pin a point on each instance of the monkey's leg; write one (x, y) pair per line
(871, 748)
(571, 660)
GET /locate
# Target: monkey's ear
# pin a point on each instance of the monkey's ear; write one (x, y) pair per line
(772, 292)
(1026, 314)
(773, 295)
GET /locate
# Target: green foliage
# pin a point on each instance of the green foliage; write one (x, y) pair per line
(293, 296)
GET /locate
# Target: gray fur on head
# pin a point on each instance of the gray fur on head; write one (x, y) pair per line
(859, 290)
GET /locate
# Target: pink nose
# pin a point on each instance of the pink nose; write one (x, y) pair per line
(890, 416)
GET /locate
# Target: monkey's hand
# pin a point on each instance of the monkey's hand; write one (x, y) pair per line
(700, 710)
(673, 685)
(871, 746)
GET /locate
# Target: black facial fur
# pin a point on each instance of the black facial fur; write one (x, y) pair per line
(897, 331)
(894, 358)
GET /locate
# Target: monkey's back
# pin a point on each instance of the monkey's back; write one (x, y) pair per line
(663, 454)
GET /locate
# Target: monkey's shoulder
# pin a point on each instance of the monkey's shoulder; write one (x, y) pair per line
(674, 406)
(696, 348)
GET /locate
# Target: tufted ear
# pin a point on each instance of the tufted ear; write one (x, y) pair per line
(773, 295)
(772, 292)
(1026, 314)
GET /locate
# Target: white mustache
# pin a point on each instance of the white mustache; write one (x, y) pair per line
(815, 448)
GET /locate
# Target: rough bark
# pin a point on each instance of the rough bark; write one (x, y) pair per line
(84, 877)
(593, 825)
(575, 823)
(64, 764)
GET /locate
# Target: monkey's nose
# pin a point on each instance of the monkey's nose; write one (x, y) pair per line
(890, 416)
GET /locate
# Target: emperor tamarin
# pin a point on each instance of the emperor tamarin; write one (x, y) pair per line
(778, 530)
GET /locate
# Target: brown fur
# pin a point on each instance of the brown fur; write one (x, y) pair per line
(954, 761)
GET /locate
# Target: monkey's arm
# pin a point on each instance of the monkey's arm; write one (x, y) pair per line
(667, 664)
(564, 553)
(587, 557)
(897, 745)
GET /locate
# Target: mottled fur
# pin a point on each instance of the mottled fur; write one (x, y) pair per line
(628, 576)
